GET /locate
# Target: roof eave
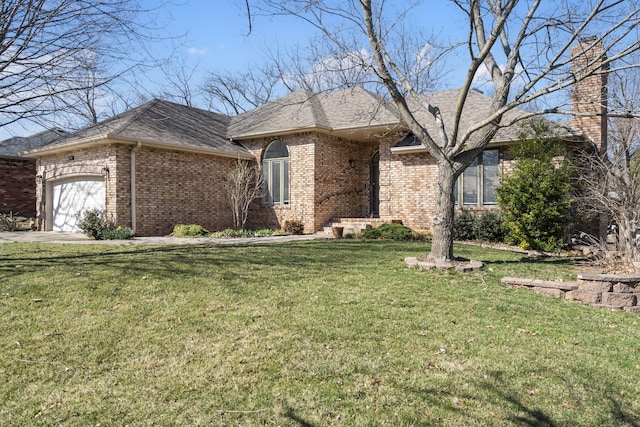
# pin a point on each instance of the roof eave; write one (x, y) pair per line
(110, 139)
(386, 127)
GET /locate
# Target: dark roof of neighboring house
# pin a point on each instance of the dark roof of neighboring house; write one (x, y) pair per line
(12, 147)
(164, 124)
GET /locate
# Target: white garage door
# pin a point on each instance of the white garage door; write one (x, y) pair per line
(73, 196)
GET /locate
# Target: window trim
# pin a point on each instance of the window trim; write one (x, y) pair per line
(480, 183)
(284, 175)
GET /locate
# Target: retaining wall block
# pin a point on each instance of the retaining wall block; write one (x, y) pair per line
(622, 300)
(587, 297)
(588, 285)
(550, 292)
(624, 288)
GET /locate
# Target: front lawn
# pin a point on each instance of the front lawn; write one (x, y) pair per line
(302, 334)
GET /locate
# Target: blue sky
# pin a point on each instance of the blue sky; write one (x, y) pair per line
(218, 31)
(216, 36)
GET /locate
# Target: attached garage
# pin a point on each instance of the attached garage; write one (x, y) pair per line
(73, 195)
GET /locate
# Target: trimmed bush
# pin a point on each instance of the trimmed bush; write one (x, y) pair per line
(293, 227)
(389, 232)
(94, 223)
(491, 226)
(464, 226)
(190, 230)
(488, 226)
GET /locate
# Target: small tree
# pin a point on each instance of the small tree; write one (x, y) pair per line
(243, 184)
(536, 196)
(611, 181)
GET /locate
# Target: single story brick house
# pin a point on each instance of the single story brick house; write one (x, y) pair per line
(343, 154)
(17, 189)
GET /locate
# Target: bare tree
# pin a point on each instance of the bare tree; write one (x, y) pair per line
(514, 41)
(236, 93)
(243, 184)
(611, 180)
(51, 50)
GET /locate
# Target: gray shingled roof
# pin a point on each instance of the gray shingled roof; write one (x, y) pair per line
(475, 110)
(12, 147)
(343, 113)
(166, 123)
(356, 108)
(352, 108)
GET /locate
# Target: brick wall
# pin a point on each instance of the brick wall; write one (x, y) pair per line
(94, 161)
(407, 187)
(17, 187)
(323, 184)
(589, 96)
(342, 171)
(301, 184)
(171, 187)
(175, 187)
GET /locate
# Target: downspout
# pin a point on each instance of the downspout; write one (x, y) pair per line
(133, 186)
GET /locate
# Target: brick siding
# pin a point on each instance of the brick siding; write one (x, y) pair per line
(589, 96)
(172, 187)
(17, 187)
(323, 183)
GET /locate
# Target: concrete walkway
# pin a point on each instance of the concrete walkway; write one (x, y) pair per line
(78, 238)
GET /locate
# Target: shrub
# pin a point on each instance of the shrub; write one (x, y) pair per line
(93, 223)
(8, 222)
(490, 226)
(487, 226)
(229, 232)
(117, 233)
(536, 196)
(293, 227)
(389, 232)
(464, 226)
(190, 230)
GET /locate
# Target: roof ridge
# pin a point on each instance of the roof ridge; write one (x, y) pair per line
(320, 118)
(135, 113)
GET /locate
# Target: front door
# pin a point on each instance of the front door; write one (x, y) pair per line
(374, 199)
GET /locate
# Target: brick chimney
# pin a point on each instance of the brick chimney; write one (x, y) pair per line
(589, 96)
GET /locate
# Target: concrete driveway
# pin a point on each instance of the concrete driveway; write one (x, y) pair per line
(78, 238)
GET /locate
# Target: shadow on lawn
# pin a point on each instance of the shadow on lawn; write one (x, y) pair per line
(291, 414)
(188, 260)
(512, 406)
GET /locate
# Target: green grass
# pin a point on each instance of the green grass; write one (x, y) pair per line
(302, 334)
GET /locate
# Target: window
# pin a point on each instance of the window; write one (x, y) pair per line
(275, 169)
(479, 181)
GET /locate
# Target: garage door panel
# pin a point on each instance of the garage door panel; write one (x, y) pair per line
(73, 196)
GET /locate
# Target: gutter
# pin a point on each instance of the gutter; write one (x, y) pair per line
(111, 139)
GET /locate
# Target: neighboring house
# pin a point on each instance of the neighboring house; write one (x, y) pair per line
(343, 154)
(17, 173)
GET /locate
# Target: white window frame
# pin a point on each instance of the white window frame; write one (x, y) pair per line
(268, 166)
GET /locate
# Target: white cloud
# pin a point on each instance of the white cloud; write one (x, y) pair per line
(196, 51)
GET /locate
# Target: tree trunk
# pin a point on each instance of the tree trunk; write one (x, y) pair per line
(442, 243)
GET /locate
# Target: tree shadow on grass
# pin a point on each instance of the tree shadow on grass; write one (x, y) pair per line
(188, 260)
(497, 392)
(291, 414)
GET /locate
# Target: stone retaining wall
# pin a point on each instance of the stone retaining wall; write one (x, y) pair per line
(607, 291)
